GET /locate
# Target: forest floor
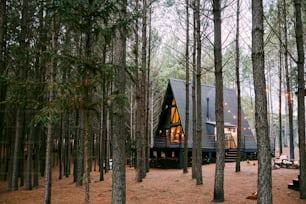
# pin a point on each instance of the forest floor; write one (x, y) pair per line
(163, 186)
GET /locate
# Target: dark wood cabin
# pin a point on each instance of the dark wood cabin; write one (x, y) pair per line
(167, 151)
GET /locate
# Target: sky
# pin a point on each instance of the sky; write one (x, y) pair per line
(170, 21)
(170, 24)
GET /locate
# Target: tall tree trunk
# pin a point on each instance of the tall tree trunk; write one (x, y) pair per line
(78, 151)
(219, 175)
(60, 148)
(280, 84)
(301, 95)
(141, 102)
(3, 70)
(264, 181)
(186, 133)
(22, 156)
(144, 83)
(22, 61)
(39, 151)
(198, 145)
(15, 162)
(29, 144)
(67, 145)
(42, 155)
(238, 159)
(48, 168)
(288, 85)
(119, 104)
(86, 115)
(139, 118)
(36, 156)
(194, 106)
(103, 135)
(148, 92)
(3, 30)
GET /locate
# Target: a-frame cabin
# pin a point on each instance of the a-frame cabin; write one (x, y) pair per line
(167, 151)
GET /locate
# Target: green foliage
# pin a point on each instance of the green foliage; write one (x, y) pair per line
(171, 61)
(48, 114)
(78, 13)
(3, 85)
(3, 79)
(118, 98)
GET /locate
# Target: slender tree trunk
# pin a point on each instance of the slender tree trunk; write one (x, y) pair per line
(86, 114)
(264, 182)
(186, 133)
(238, 89)
(13, 184)
(36, 156)
(39, 158)
(3, 70)
(104, 132)
(67, 146)
(3, 30)
(29, 144)
(194, 106)
(103, 135)
(42, 155)
(301, 96)
(17, 158)
(59, 150)
(139, 118)
(280, 84)
(219, 175)
(288, 86)
(144, 85)
(22, 156)
(119, 104)
(48, 168)
(141, 102)
(148, 92)
(78, 151)
(199, 179)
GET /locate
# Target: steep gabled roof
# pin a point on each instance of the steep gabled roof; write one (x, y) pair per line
(178, 87)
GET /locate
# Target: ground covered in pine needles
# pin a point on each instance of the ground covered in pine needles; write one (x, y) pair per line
(163, 186)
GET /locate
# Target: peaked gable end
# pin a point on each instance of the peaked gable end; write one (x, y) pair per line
(168, 128)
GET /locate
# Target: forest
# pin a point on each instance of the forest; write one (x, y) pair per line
(82, 84)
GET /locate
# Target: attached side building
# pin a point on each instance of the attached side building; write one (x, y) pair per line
(169, 137)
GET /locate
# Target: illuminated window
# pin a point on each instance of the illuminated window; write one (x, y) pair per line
(174, 117)
(176, 134)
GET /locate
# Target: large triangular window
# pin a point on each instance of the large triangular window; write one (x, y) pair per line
(175, 135)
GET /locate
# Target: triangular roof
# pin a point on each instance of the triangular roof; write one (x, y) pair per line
(177, 89)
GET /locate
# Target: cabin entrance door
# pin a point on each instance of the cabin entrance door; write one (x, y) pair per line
(230, 137)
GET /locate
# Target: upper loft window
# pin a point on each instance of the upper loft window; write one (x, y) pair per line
(174, 116)
(176, 132)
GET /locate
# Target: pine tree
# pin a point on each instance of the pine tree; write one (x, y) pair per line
(185, 167)
(238, 159)
(301, 96)
(198, 141)
(264, 181)
(219, 175)
(119, 134)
